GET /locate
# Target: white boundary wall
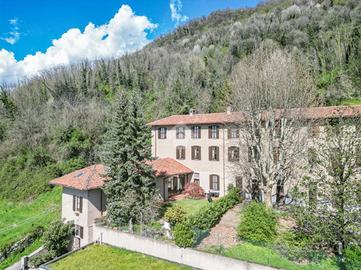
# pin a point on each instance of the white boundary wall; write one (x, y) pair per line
(169, 252)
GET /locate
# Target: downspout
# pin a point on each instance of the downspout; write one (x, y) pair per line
(155, 140)
(224, 163)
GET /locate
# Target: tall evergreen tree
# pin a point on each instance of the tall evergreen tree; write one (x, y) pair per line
(125, 153)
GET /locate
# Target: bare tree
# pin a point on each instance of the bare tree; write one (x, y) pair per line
(331, 217)
(270, 88)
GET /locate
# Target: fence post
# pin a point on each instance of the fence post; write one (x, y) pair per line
(24, 262)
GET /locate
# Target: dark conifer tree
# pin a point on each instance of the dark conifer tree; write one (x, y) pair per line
(125, 153)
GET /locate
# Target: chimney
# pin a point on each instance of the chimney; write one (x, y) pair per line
(229, 110)
(192, 112)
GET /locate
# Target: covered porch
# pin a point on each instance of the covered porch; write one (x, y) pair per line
(172, 176)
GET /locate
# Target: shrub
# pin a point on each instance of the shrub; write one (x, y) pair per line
(183, 234)
(175, 214)
(206, 218)
(193, 190)
(352, 258)
(57, 237)
(40, 259)
(209, 216)
(258, 223)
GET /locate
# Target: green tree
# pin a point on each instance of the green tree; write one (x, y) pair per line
(57, 237)
(125, 153)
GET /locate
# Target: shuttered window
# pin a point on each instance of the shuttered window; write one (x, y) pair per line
(196, 152)
(77, 203)
(213, 132)
(213, 153)
(196, 132)
(79, 231)
(233, 153)
(214, 182)
(180, 152)
(180, 132)
(162, 133)
(233, 133)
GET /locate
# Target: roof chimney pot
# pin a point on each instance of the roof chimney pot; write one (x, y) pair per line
(192, 112)
(229, 110)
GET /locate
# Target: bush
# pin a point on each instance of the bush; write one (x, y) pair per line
(40, 259)
(352, 258)
(175, 214)
(183, 234)
(258, 223)
(193, 190)
(207, 217)
(57, 237)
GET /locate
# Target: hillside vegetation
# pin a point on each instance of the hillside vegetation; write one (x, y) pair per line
(51, 125)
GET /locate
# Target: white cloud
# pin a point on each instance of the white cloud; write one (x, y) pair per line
(14, 35)
(124, 33)
(13, 21)
(176, 9)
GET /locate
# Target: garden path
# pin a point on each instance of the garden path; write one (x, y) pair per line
(225, 232)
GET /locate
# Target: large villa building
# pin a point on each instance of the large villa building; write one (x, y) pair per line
(202, 148)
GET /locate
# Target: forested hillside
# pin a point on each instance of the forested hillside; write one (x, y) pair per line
(52, 124)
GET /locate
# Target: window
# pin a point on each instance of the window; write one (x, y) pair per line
(180, 132)
(180, 152)
(233, 133)
(239, 182)
(79, 231)
(213, 132)
(196, 152)
(213, 153)
(276, 154)
(196, 178)
(77, 204)
(162, 133)
(214, 182)
(196, 132)
(233, 153)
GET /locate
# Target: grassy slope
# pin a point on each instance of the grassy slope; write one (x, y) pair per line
(105, 257)
(191, 206)
(15, 258)
(18, 219)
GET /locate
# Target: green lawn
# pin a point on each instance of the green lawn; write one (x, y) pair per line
(191, 206)
(105, 257)
(267, 256)
(351, 102)
(18, 219)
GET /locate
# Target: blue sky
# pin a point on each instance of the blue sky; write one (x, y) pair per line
(28, 27)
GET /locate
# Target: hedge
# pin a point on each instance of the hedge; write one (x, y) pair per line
(258, 223)
(205, 219)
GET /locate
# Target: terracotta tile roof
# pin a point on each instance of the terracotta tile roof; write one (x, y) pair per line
(84, 179)
(169, 167)
(227, 118)
(208, 118)
(92, 177)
